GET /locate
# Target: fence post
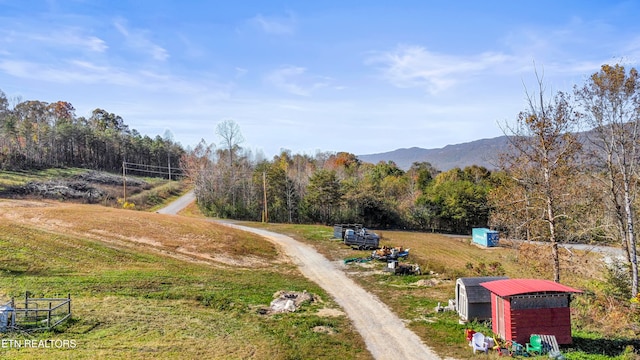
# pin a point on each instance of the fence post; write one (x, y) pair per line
(49, 317)
(13, 310)
(69, 303)
(26, 306)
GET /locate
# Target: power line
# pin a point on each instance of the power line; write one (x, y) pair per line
(156, 169)
(145, 168)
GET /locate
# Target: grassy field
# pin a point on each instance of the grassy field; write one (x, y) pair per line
(145, 285)
(602, 328)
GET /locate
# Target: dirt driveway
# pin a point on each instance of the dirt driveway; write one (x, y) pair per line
(384, 333)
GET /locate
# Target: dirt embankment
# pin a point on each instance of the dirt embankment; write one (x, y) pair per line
(89, 187)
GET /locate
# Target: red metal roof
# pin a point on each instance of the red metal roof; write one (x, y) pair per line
(510, 287)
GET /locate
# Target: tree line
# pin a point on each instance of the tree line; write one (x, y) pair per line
(36, 134)
(556, 184)
(332, 188)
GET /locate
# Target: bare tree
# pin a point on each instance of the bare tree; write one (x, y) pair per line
(229, 132)
(542, 163)
(231, 136)
(611, 101)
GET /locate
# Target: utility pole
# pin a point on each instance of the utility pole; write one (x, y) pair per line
(124, 182)
(265, 215)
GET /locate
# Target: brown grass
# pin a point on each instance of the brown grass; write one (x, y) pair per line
(151, 286)
(194, 239)
(444, 258)
(197, 240)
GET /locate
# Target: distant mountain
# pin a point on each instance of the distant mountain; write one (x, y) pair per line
(480, 152)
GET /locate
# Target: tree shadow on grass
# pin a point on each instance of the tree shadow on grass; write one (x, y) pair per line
(608, 347)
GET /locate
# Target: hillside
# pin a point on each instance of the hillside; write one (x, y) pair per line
(90, 187)
(147, 285)
(482, 152)
(151, 286)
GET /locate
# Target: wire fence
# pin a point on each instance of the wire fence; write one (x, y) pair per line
(34, 314)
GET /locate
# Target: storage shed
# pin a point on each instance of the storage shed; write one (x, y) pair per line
(473, 301)
(485, 237)
(521, 307)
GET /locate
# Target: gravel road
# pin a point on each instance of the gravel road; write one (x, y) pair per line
(384, 333)
(181, 203)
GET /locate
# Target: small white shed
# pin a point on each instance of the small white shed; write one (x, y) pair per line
(473, 301)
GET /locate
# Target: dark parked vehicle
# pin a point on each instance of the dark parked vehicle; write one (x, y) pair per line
(356, 236)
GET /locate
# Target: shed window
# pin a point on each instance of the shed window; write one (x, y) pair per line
(539, 301)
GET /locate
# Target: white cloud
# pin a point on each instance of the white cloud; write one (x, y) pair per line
(283, 79)
(85, 72)
(68, 38)
(74, 72)
(295, 80)
(275, 25)
(241, 72)
(139, 40)
(415, 66)
(97, 44)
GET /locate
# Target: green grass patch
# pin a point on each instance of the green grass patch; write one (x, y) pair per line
(443, 259)
(136, 304)
(162, 193)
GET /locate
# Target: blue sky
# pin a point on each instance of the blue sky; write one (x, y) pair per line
(356, 76)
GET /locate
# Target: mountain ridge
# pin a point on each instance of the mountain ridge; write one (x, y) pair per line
(482, 152)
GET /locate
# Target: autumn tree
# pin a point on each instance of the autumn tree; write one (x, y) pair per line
(288, 188)
(456, 199)
(36, 134)
(282, 199)
(198, 168)
(323, 195)
(512, 207)
(542, 163)
(611, 101)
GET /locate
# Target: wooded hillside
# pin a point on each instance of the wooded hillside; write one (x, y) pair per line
(36, 134)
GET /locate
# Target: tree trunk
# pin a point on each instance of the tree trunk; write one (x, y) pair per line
(631, 238)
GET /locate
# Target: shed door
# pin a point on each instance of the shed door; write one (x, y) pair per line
(464, 305)
(499, 318)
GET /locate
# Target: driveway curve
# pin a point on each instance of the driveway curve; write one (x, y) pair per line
(179, 204)
(385, 335)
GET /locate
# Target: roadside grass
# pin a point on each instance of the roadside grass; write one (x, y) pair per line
(444, 258)
(135, 295)
(162, 193)
(192, 211)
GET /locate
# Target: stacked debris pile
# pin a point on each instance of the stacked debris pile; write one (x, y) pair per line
(62, 189)
(388, 253)
(288, 301)
(394, 267)
(92, 187)
(383, 254)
